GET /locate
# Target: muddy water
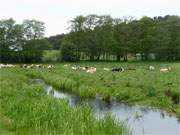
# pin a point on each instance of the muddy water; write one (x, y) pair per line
(141, 120)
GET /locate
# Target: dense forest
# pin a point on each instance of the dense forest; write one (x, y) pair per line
(94, 37)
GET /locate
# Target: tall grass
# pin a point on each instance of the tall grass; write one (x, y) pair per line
(30, 111)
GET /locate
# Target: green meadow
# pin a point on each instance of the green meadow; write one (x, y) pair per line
(26, 109)
(141, 86)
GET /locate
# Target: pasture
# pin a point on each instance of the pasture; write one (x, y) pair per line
(25, 107)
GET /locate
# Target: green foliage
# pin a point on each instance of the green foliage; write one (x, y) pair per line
(51, 55)
(94, 37)
(174, 95)
(151, 92)
(68, 52)
(22, 42)
(39, 44)
(33, 29)
(56, 41)
(99, 37)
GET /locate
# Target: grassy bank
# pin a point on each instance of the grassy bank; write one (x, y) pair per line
(26, 109)
(141, 86)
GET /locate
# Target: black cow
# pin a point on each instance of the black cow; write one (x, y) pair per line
(121, 69)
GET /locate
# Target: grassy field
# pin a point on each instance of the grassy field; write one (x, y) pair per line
(142, 86)
(25, 107)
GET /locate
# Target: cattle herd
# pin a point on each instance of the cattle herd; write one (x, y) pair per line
(161, 69)
(116, 69)
(84, 68)
(27, 66)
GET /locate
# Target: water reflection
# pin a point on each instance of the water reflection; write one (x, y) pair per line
(162, 115)
(142, 120)
(178, 120)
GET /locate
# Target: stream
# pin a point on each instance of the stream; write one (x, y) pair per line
(141, 120)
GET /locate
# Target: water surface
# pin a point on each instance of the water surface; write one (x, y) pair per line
(141, 120)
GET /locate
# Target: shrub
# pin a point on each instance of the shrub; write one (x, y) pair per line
(69, 52)
(51, 55)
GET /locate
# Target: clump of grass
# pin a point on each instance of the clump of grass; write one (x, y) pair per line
(113, 77)
(128, 84)
(86, 91)
(107, 98)
(151, 92)
(174, 95)
(123, 95)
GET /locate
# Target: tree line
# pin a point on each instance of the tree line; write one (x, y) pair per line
(96, 37)
(93, 37)
(22, 42)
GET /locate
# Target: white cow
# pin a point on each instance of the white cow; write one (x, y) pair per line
(50, 66)
(91, 70)
(165, 69)
(66, 65)
(151, 68)
(74, 68)
(6, 65)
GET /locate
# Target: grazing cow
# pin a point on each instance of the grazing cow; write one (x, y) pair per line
(6, 65)
(28, 67)
(91, 70)
(165, 69)
(39, 66)
(66, 65)
(151, 68)
(82, 68)
(1, 66)
(74, 68)
(50, 66)
(9, 65)
(24, 66)
(32, 66)
(121, 69)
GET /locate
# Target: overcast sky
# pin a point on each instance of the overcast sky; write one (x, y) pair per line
(56, 13)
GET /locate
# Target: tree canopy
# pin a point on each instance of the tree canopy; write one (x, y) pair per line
(102, 37)
(22, 42)
(94, 37)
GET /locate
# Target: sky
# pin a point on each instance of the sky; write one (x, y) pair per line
(57, 13)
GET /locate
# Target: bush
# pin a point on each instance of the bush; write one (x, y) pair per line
(51, 55)
(32, 51)
(69, 52)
